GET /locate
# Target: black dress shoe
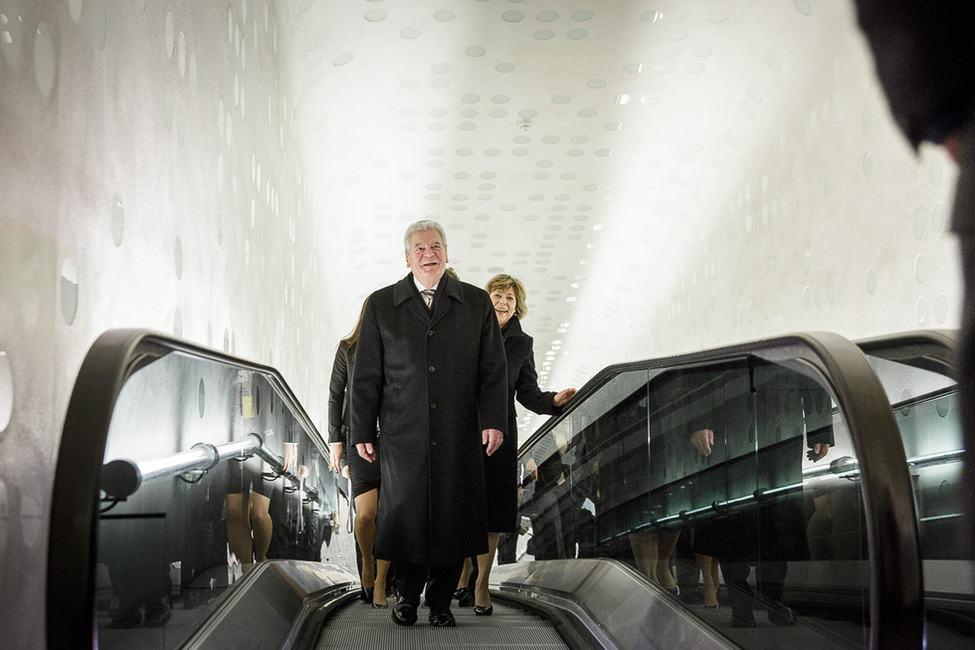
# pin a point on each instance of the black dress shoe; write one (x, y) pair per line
(404, 613)
(781, 615)
(125, 618)
(483, 611)
(742, 619)
(442, 618)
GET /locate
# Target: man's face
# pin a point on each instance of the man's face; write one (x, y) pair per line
(427, 257)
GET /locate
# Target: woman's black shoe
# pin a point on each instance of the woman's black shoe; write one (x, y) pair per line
(464, 597)
(378, 606)
(483, 611)
(366, 594)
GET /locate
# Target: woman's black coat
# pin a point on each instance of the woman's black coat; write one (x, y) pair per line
(434, 381)
(501, 468)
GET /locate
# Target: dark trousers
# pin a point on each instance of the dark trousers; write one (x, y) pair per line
(441, 581)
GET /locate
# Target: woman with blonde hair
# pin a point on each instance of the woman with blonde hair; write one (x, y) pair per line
(501, 468)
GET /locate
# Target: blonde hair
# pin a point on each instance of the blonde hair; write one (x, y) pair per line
(504, 281)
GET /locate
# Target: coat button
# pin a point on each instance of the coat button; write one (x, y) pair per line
(433, 405)
(430, 333)
(433, 443)
(431, 368)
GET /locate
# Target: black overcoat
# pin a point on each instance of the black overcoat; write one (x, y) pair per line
(501, 468)
(434, 381)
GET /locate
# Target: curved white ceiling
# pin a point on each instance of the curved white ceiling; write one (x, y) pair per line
(591, 149)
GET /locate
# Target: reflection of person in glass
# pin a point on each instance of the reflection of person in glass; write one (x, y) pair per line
(249, 524)
(500, 470)
(770, 534)
(365, 476)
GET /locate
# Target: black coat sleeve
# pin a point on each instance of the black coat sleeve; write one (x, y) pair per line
(336, 394)
(367, 375)
(526, 387)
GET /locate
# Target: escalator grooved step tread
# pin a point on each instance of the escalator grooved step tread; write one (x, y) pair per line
(356, 625)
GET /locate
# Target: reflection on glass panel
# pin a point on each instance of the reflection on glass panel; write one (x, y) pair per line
(925, 402)
(731, 484)
(207, 471)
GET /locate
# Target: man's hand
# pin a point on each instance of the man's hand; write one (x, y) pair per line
(818, 451)
(366, 450)
(290, 458)
(493, 439)
(703, 440)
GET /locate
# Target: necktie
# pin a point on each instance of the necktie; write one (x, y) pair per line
(428, 296)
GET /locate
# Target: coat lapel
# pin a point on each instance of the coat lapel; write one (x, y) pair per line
(406, 295)
(451, 292)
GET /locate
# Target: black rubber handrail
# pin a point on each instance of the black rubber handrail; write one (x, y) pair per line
(896, 585)
(72, 541)
(932, 350)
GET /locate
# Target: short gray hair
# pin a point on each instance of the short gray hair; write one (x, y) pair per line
(422, 226)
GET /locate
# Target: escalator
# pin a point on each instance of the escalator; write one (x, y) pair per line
(778, 467)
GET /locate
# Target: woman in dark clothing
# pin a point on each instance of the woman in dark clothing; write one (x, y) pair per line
(364, 475)
(501, 468)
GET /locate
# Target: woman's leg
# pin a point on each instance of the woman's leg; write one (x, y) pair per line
(365, 534)
(260, 524)
(482, 597)
(642, 548)
(663, 547)
(465, 574)
(379, 594)
(239, 530)
(709, 575)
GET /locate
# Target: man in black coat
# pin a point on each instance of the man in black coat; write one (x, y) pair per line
(924, 50)
(430, 366)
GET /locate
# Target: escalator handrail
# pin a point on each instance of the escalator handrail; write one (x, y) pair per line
(72, 541)
(938, 346)
(896, 589)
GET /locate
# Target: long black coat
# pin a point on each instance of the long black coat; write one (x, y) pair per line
(501, 468)
(434, 381)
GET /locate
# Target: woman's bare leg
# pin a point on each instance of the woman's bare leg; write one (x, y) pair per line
(482, 596)
(239, 530)
(642, 550)
(365, 534)
(465, 573)
(663, 547)
(709, 576)
(379, 594)
(261, 524)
